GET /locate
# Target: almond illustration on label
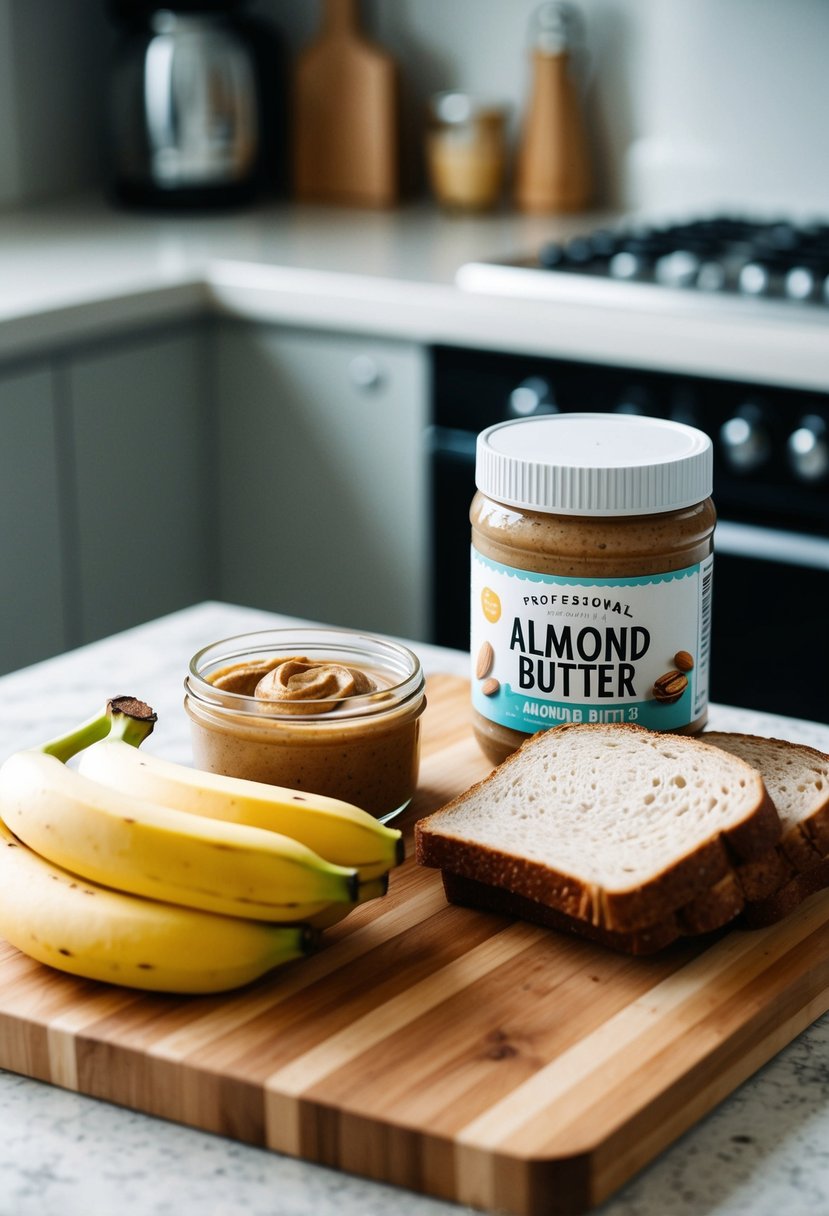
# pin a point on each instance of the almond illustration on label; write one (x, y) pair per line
(483, 664)
(684, 660)
(670, 687)
(490, 687)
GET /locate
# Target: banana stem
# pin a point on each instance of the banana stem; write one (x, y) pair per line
(124, 718)
(131, 720)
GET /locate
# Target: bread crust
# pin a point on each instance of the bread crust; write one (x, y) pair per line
(764, 875)
(620, 911)
(713, 908)
(709, 911)
(473, 894)
(807, 841)
(802, 866)
(768, 911)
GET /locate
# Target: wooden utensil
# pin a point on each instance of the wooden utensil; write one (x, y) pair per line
(552, 170)
(345, 116)
(552, 164)
(457, 1053)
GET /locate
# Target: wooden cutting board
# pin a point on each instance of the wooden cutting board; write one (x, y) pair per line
(345, 116)
(453, 1052)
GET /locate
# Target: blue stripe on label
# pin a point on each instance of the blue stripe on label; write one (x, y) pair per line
(518, 711)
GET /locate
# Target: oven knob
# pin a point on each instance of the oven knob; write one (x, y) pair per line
(551, 256)
(677, 269)
(808, 449)
(745, 439)
(635, 399)
(712, 276)
(800, 283)
(627, 265)
(754, 279)
(533, 396)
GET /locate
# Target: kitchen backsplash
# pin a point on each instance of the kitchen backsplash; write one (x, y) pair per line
(690, 102)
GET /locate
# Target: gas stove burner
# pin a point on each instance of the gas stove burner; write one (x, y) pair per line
(727, 256)
(756, 259)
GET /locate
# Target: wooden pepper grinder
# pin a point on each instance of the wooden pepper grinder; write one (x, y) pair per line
(553, 165)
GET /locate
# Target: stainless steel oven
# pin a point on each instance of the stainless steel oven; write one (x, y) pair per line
(770, 638)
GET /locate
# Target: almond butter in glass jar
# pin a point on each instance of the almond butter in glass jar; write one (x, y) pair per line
(592, 566)
(327, 711)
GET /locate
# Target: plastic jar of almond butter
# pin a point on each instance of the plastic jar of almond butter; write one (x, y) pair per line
(592, 564)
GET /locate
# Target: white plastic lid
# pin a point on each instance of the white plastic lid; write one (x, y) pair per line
(595, 464)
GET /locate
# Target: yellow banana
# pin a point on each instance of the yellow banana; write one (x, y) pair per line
(90, 931)
(338, 831)
(135, 845)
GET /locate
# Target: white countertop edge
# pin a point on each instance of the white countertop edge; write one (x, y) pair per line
(757, 348)
(73, 273)
(47, 326)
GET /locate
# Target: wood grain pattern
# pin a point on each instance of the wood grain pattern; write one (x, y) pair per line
(453, 1052)
(345, 116)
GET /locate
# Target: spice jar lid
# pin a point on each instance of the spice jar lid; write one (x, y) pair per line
(595, 464)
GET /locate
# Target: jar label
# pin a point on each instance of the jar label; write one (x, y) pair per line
(547, 650)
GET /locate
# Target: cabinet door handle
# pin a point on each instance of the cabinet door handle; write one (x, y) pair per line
(365, 373)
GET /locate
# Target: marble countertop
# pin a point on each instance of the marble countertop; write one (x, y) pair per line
(762, 1152)
(73, 271)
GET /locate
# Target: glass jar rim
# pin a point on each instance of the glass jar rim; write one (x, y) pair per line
(389, 656)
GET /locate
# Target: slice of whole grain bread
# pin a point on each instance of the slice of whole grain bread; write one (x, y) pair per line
(797, 778)
(614, 826)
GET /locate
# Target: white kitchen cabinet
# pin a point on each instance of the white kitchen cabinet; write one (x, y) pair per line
(322, 475)
(32, 605)
(141, 449)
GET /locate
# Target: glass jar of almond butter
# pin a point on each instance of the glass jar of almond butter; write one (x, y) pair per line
(592, 563)
(325, 711)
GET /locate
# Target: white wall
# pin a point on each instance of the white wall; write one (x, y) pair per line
(695, 102)
(691, 101)
(734, 104)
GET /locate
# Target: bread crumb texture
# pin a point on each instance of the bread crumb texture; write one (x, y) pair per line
(796, 777)
(611, 805)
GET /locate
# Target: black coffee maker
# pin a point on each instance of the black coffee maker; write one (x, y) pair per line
(197, 106)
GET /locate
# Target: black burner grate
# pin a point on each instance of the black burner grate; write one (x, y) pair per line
(777, 258)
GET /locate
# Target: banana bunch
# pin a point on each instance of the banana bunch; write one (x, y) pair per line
(101, 934)
(202, 882)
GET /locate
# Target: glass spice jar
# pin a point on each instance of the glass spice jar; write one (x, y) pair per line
(466, 151)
